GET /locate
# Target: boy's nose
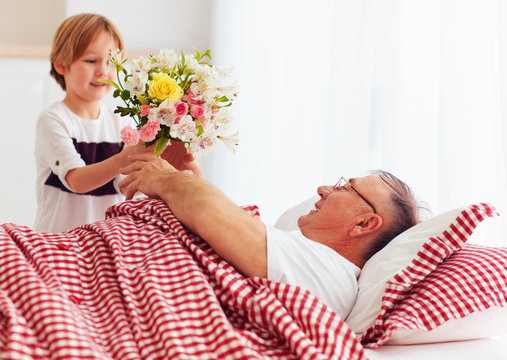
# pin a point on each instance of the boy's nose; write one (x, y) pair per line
(102, 69)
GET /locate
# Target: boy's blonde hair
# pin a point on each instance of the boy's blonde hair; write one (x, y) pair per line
(73, 37)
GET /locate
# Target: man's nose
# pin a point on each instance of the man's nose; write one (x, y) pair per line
(324, 191)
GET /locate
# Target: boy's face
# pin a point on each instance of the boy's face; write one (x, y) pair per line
(81, 77)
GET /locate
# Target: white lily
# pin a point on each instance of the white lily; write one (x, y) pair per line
(184, 129)
(136, 84)
(231, 141)
(230, 91)
(164, 113)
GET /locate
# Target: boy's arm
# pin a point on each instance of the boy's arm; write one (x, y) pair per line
(90, 177)
(93, 176)
(229, 230)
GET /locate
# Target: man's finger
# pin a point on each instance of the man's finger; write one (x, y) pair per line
(131, 173)
(129, 186)
(130, 192)
(135, 166)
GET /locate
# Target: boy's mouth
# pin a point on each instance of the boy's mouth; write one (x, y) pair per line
(97, 83)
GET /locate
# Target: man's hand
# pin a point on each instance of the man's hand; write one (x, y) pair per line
(146, 174)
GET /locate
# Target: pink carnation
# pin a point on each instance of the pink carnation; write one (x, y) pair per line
(196, 111)
(129, 136)
(149, 130)
(145, 110)
(181, 108)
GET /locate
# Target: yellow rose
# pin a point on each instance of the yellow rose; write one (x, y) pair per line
(163, 87)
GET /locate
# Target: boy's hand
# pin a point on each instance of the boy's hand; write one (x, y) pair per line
(181, 158)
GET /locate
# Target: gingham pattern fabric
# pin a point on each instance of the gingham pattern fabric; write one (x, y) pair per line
(472, 279)
(414, 294)
(139, 286)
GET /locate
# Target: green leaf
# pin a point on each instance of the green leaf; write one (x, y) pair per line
(142, 99)
(223, 99)
(182, 58)
(207, 54)
(125, 95)
(106, 81)
(201, 130)
(126, 111)
(160, 145)
(116, 93)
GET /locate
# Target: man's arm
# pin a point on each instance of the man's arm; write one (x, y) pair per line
(229, 230)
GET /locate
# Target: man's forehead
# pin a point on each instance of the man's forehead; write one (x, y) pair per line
(369, 182)
(371, 178)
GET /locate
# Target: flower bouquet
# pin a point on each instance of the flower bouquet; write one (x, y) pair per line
(175, 98)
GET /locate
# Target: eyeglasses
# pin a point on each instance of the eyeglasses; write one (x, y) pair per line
(342, 182)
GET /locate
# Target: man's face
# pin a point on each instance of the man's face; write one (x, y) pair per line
(337, 208)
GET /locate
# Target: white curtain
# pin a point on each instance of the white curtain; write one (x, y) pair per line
(337, 87)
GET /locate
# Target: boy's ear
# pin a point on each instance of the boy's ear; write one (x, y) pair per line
(59, 68)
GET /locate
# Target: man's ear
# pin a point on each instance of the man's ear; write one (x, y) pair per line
(59, 68)
(366, 224)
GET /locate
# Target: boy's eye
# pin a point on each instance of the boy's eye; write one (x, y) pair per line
(91, 61)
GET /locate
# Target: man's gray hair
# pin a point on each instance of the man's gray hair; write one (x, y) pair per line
(405, 211)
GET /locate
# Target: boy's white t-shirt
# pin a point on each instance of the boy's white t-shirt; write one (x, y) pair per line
(294, 259)
(65, 141)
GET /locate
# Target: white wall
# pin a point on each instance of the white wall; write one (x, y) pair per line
(26, 89)
(154, 24)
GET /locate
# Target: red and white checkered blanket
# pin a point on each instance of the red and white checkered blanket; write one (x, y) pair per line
(139, 286)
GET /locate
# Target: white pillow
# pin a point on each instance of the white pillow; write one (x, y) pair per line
(288, 221)
(477, 325)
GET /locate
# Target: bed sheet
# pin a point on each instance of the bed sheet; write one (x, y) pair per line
(494, 348)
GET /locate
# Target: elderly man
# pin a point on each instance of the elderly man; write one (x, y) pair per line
(351, 221)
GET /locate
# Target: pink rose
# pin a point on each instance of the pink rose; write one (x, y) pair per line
(149, 130)
(145, 110)
(181, 108)
(190, 98)
(196, 111)
(129, 136)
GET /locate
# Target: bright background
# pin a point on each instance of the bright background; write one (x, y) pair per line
(328, 88)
